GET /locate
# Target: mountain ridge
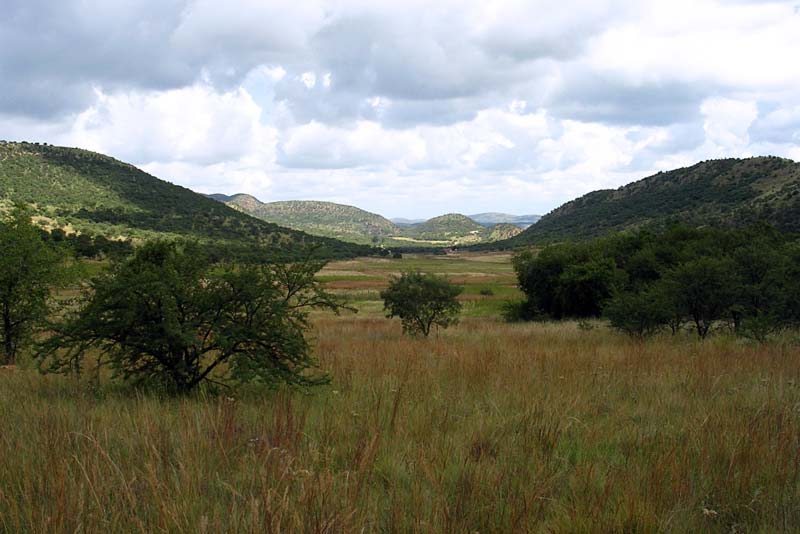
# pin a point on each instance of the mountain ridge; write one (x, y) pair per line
(81, 191)
(339, 221)
(345, 222)
(714, 192)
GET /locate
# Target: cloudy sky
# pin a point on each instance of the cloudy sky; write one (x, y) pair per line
(407, 108)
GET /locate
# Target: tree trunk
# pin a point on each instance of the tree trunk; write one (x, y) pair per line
(9, 356)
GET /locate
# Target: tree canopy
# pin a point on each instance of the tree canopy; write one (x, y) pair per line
(422, 300)
(167, 317)
(28, 268)
(644, 281)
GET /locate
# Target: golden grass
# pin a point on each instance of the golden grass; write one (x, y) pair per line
(489, 427)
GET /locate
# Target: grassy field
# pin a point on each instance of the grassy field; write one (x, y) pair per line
(489, 427)
(360, 281)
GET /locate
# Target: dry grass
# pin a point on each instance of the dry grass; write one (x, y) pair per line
(489, 428)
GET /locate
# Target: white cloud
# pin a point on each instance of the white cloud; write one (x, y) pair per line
(408, 108)
(727, 123)
(195, 124)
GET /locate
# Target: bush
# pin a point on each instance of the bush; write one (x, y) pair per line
(421, 301)
(639, 315)
(515, 311)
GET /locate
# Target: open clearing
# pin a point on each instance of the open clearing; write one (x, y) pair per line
(487, 427)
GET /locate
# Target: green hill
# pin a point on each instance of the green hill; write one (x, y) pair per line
(456, 229)
(327, 219)
(89, 193)
(717, 192)
(498, 232)
(355, 225)
(449, 226)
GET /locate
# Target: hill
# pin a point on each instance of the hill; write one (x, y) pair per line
(355, 225)
(89, 193)
(327, 219)
(498, 232)
(448, 226)
(489, 219)
(716, 192)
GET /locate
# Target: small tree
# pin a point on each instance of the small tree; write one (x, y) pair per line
(705, 288)
(421, 301)
(28, 269)
(165, 318)
(639, 315)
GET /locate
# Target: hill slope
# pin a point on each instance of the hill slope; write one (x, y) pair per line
(355, 225)
(728, 191)
(86, 192)
(450, 225)
(318, 218)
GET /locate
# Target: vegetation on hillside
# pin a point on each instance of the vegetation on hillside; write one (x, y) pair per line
(85, 192)
(450, 225)
(719, 192)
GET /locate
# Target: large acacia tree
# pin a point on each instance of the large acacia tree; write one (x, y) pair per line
(166, 317)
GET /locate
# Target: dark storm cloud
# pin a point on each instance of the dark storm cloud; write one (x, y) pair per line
(53, 53)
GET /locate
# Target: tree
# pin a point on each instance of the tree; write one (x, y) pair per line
(639, 315)
(164, 317)
(705, 288)
(421, 301)
(584, 288)
(28, 269)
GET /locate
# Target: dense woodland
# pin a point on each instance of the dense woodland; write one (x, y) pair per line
(746, 280)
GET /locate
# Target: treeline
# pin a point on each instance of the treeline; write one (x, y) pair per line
(647, 282)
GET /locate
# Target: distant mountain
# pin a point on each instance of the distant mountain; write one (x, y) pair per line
(488, 219)
(85, 192)
(327, 219)
(400, 221)
(451, 225)
(717, 192)
(355, 225)
(457, 229)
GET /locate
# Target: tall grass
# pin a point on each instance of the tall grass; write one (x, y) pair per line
(487, 427)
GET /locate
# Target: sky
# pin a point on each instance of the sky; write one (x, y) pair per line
(406, 108)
